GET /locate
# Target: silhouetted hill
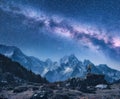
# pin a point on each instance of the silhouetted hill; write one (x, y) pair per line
(11, 71)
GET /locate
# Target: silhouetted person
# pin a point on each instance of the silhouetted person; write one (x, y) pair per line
(89, 68)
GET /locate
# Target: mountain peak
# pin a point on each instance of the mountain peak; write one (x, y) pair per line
(12, 47)
(8, 50)
(48, 60)
(86, 62)
(70, 58)
(103, 66)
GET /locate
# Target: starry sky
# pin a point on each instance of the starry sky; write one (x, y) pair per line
(90, 29)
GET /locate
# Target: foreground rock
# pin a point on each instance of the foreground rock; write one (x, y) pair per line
(87, 85)
(48, 92)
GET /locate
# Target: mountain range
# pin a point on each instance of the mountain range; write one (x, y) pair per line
(68, 66)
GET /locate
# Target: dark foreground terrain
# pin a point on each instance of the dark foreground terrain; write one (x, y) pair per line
(54, 91)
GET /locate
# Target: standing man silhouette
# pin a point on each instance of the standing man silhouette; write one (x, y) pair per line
(89, 68)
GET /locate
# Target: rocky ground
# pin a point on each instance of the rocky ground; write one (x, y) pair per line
(73, 88)
(55, 91)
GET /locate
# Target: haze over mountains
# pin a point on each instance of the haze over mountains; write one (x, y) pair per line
(67, 67)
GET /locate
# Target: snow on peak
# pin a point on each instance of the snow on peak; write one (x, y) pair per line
(69, 59)
(9, 54)
(49, 62)
(44, 72)
(68, 70)
(64, 60)
(9, 50)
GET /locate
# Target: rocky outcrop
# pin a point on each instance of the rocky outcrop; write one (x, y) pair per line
(95, 79)
(86, 85)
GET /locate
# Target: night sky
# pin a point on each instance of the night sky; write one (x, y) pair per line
(90, 29)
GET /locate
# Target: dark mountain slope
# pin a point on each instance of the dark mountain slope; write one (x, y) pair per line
(7, 66)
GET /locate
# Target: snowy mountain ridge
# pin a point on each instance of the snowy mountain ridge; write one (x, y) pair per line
(67, 67)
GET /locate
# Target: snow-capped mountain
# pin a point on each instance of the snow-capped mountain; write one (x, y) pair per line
(67, 67)
(27, 61)
(70, 66)
(110, 74)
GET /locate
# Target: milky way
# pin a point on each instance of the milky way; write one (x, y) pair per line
(89, 36)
